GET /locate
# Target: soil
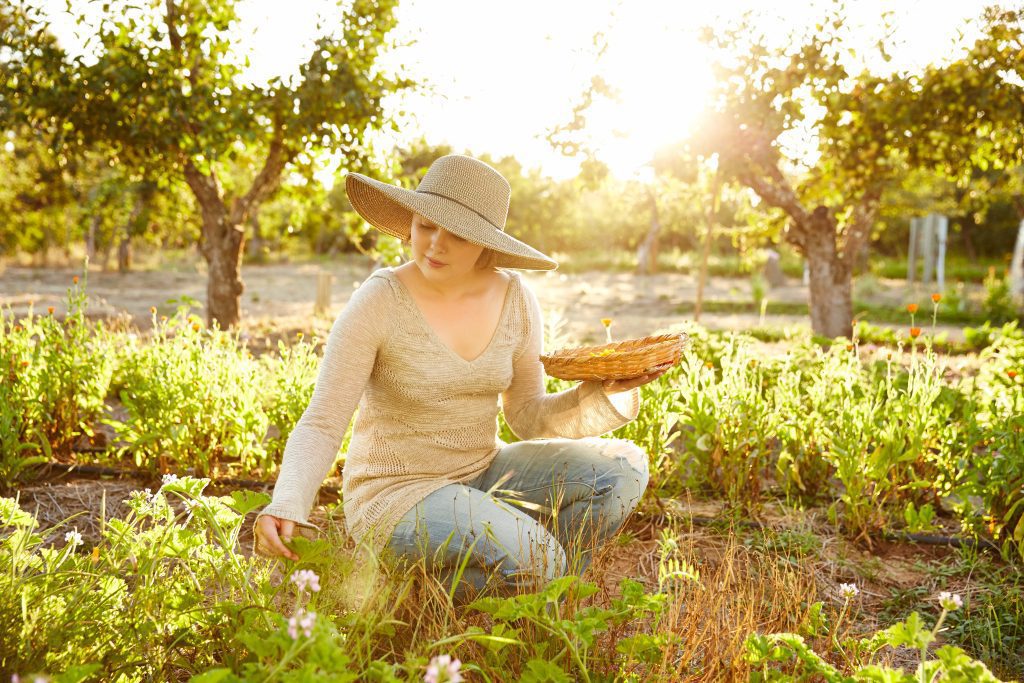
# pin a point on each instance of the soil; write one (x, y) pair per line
(278, 299)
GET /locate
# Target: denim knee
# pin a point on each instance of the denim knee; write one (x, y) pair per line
(529, 565)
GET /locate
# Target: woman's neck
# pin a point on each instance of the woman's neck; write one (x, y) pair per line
(457, 288)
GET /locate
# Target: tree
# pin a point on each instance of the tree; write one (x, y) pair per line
(163, 91)
(871, 130)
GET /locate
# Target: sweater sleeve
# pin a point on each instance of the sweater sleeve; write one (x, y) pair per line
(312, 447)
(584, 410)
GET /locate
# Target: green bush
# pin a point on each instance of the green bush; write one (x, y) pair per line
(56, 375)
(193, 401)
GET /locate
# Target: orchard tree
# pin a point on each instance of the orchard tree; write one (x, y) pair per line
(871, 130)
(162, 88)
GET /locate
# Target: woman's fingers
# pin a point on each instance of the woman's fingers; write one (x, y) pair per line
(618, 385)
(273, 533)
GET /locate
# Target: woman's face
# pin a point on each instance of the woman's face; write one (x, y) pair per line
(440, 255)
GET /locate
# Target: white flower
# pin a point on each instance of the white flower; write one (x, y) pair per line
(306, 579)
(169, 479)
(443, 669)
(848, 591)
(303, 621)
(73, 538)
(950, 601)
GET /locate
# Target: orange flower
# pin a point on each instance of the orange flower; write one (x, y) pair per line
(709, 365)
(606, 322)
(849, 347)
(915, 332)
(152, 309)
(24, 363)
(74, 280)
(195, 327)
(163, 318)
(1011, 374)
(95, 554)
(936, 297)
(49, 309)
(912, 308)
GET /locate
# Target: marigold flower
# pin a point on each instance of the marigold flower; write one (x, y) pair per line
(95, 554)
(24, 364)
(195, 327)
(163, 318)
(915, 332)
(606, 322)
(848, 591)
(936, 297)
(443, 668)
(849, 347)
(709, 365)
(912, 308)
(49, 309)
(152, 309)
(1011, 374)
(74, 280)
(950, 601)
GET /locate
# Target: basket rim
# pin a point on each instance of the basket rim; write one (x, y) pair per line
(635, 346)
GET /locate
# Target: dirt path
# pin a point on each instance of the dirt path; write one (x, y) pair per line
(279, 298)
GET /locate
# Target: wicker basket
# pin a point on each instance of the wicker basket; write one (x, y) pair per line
(620, 360)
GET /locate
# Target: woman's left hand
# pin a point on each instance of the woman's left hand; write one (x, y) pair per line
(615, 386)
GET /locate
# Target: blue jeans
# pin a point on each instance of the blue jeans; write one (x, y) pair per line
(536, 513)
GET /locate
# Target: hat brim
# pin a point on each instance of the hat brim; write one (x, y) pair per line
(389, 208)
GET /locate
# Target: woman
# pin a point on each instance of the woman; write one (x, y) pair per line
(425, 350)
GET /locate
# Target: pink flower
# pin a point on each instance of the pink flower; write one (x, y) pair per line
(443, 669)
(303, 621)
(306, 579)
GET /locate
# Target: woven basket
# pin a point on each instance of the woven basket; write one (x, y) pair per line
(620, 360)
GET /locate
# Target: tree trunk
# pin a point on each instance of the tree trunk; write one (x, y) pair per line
(647, 254)
(830, 295)
(90, 238)
(124, 254)
(222, 250)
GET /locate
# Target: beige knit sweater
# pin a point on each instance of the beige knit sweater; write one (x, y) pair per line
(427, 417)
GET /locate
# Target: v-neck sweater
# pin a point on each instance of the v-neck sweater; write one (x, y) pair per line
(427, 416)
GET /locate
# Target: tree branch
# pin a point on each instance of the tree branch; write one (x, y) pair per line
(265, 182)
(859, 229)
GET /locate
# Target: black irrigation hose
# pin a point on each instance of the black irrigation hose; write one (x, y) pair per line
(99, 470)
(901, 536)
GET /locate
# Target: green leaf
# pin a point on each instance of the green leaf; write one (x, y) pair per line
(541, 671)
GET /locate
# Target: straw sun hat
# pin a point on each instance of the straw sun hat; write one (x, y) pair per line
(464, 196)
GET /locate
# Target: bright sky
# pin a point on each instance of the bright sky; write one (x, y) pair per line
(502, 73)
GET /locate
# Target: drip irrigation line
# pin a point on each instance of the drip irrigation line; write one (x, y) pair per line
(131, 473)
(899, 536)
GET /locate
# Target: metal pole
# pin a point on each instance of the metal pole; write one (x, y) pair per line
(942, 228)
(915, 224)
(927, 235)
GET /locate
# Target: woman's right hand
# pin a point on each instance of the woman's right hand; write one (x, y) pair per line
(271, 535)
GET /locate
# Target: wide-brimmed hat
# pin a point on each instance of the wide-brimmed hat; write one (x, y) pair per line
(461, 194)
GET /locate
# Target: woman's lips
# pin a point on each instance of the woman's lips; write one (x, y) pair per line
(433, 263)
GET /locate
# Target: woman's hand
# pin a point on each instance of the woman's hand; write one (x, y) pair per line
(615, 386)
(271, 535)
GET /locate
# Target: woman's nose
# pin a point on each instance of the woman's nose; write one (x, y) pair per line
(440, 238)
